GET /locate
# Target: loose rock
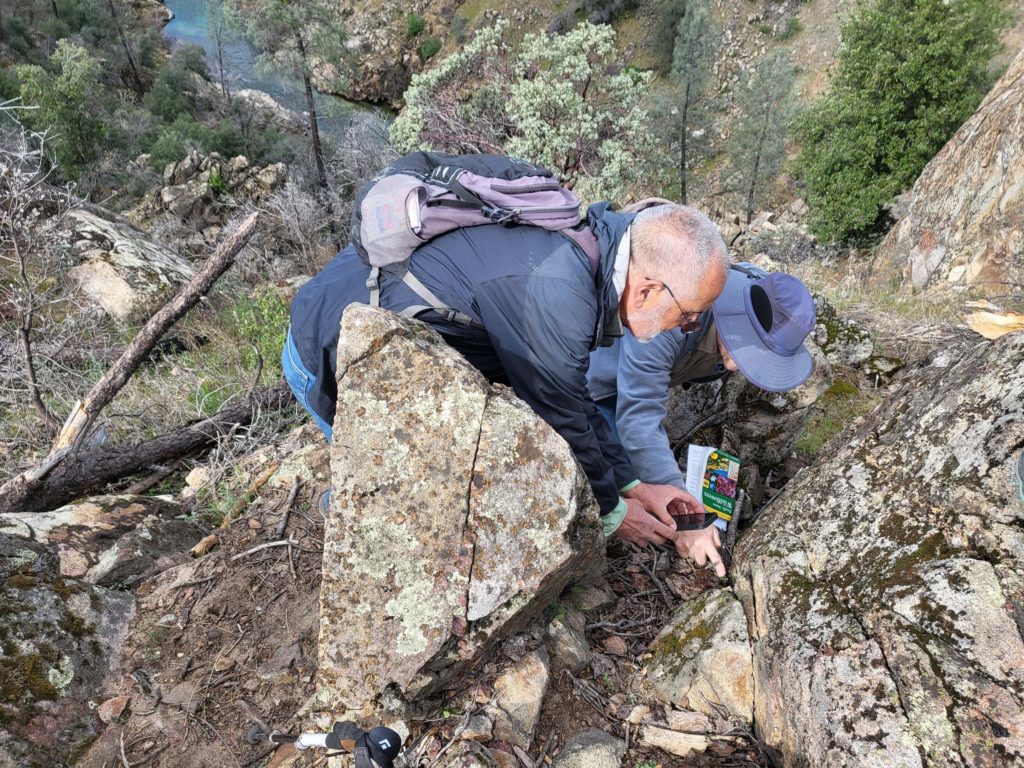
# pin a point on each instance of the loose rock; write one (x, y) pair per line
(702, 658)
(568, 649)
(432, 555)
(593, 748)
(673, 742)
(518, 695)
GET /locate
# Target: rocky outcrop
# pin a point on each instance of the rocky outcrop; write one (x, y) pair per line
(844, 342)
(593, 748)
(883, 586)
(197, 187)
(112, 541)
(964, 222)
(457, 515)
(60, 638)
(119, 268)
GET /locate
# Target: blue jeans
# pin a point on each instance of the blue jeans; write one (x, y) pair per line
(301, 382)
(607, 409)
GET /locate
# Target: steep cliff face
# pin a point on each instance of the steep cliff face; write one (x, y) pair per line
(883, 586)
(964, 225)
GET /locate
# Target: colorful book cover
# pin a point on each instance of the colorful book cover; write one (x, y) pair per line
(712, 475)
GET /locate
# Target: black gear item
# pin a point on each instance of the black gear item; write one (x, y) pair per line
(376, 749)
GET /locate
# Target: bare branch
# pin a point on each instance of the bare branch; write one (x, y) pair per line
(118, 374)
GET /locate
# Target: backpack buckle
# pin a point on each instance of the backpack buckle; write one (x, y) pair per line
(501, 215)
(454, 316)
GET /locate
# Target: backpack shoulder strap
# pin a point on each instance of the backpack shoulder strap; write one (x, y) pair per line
(435, 304)
(587, 242)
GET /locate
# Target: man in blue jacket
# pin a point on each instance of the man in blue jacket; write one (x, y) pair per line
(756, 326)
(536, 310)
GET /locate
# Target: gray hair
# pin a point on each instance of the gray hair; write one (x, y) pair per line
(679, 244)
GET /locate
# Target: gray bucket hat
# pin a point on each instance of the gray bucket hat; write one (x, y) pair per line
(763, 320)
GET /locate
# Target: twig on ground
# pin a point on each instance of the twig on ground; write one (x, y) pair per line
(657, 582)
(623, 623)
(196, 582)
(267, 545)
(524, 758)
(247, 497)
(283, 523)
(124, 757)
(151, 755)
(730, 533)
(157, 477)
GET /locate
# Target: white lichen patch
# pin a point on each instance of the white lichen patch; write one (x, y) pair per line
(61, 675)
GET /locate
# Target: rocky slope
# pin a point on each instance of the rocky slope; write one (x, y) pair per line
(963, 224)
(883, 586)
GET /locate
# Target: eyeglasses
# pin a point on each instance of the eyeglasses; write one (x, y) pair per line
(690, 321)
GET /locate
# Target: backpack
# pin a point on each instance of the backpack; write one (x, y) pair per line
(426, 194)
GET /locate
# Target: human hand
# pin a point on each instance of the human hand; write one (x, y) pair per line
(642, 528)
(701, 546)
(656, 499)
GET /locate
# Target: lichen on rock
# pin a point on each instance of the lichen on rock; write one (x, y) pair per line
(701, 659)
(457, 515)
(879, 585)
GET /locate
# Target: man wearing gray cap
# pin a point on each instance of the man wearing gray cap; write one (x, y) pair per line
(757, 326)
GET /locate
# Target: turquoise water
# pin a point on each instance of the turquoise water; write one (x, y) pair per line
(193, 22)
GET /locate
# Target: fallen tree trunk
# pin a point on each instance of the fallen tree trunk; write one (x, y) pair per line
(93, 469)
(70, 442)
(81, 419)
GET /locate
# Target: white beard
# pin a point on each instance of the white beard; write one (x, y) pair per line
(647, 325)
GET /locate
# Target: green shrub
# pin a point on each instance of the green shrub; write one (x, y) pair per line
(668, 14)
(909, 73)
(429, 47)
(790, 28)
(459, 24)
(10, 86)
(69, 102)
(564, 102)
(218, 186)
(261, 321)
(413, 25)
(171, 94)
(170, 143)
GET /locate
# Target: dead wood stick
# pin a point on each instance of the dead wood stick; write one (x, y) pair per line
(118, 374)
(250, 493)
(657, 583)
(94, 469)
(14, 491)
(283, 523)
(266, 545)
(734, 526)
(196, 582)
(524, 758)
(157, 477)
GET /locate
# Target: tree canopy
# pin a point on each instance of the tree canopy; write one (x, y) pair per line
(909, 73)
(561, 101)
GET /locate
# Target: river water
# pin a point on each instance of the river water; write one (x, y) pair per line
(194, 22)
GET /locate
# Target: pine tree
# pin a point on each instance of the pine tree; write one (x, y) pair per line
(908, 74)
(757, 143)
(293, 35)
(697, 42)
